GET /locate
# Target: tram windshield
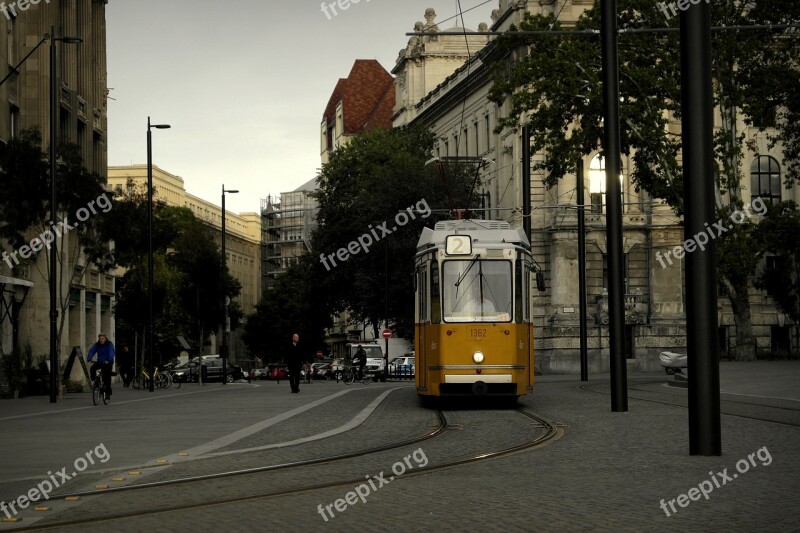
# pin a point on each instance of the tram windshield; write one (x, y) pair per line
(477, 290)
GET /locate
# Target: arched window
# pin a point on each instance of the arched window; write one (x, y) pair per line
(597, 185)
(765, 179)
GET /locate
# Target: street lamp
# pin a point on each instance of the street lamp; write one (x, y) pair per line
(53, 255)
(150, 246)
(225, 300)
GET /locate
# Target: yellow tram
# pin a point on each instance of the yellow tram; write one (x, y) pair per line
(473, 332)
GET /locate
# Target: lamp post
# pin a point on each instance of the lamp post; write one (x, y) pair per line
(150, 245)
(225, 300)
(53, 208)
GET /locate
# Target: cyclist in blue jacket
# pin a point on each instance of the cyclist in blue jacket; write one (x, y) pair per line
(104, 349)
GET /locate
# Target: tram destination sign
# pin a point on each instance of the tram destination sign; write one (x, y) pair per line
(458, 245)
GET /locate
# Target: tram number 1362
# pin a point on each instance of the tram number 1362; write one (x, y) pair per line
(477, 333)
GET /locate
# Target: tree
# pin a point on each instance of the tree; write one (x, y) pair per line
(777, 233)
(378, 193)
(755, 76)
(188, 287)
(293, 305)
(25, 210)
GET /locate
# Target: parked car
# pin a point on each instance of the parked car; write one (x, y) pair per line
(260, 373)
(337, 367)
(404, 365)
(212, 370)
(278, 371)
(321, 371)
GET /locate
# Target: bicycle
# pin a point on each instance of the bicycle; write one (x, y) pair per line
(348, 375)
(99, 388)
(162, 380)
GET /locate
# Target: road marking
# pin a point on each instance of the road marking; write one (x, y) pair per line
(229, 439)
(353, 423)
(59, 411)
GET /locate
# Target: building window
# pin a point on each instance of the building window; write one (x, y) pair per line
(765, 179)
(14, 113)
(597, 185)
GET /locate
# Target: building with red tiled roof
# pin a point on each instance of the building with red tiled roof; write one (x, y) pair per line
(362, 101)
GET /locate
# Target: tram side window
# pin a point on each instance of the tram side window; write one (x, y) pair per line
(436, 307)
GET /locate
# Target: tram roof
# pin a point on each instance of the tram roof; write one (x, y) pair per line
(483, 232)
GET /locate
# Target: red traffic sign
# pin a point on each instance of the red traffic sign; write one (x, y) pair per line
(387, 333)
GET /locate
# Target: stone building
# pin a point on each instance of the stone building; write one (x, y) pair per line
(242, 231)
(442, 86)
(86, 296)
(287, 223)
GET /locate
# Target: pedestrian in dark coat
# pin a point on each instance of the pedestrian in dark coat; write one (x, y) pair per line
(296, 357)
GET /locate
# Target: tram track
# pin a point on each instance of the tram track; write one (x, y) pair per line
(684, 405)
(550, 432)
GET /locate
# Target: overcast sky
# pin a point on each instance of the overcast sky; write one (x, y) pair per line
(244, 83)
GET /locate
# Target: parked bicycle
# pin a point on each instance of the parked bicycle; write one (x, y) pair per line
(161, 380)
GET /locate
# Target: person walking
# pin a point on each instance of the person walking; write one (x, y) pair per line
(125, 366)
(104, 349)
(296, 358)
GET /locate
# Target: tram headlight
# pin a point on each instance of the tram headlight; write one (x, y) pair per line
(477, 357)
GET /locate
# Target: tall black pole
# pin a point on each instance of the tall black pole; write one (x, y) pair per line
(526, 181)
(698, 184)
(150, 328)
(224, 348)
(53, 254)
(611, 147)
(582, 272)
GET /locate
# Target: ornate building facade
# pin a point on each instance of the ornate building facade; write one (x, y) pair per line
(445, 88)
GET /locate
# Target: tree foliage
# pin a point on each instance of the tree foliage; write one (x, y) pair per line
(25, 181)
(379, 176)
(777, 234)
(293, 305)
(756, 79)
(188, 286)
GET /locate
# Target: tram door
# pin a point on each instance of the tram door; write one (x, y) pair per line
(421, 325)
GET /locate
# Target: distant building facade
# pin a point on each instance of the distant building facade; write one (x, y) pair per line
(242, 231)
(86, 295)
(287, 223)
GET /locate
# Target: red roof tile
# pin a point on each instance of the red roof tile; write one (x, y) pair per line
(367, 96)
